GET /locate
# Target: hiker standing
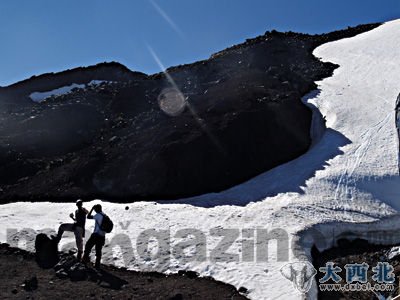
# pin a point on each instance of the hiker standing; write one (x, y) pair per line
(78, 227)
(97, 238)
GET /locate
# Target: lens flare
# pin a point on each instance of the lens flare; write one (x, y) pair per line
(175, 99)
(171, 101)
(167, 18)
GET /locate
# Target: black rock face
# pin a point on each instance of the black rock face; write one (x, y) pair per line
(202, 128)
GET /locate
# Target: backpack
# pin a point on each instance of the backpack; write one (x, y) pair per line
(106, 225)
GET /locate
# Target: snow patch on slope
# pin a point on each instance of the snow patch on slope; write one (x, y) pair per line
(40, 96)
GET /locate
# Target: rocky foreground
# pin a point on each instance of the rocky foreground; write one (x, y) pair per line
(358, 251)
(201, 128)
(22, 278)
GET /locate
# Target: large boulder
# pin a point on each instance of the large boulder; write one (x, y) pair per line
(46, 251)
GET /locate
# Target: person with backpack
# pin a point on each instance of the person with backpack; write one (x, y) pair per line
(103, 225)
(78, 227)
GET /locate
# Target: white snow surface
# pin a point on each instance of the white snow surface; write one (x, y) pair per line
(348, 181)
(40, 96)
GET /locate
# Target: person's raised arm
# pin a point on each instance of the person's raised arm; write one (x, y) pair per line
(89, 216)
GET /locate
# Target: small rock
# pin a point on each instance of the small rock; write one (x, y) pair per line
(189, 274)
(61, 274)
(78, 272)
(114, 140)
(177, 297)
(65, 263)
(393, 252)
(30, 284)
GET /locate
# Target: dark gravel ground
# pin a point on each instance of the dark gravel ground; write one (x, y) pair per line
(18, 266)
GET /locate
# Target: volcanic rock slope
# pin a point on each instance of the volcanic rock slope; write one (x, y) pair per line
(108, 132)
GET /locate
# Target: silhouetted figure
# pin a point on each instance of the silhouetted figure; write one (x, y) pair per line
(78, 227)
(97, 238)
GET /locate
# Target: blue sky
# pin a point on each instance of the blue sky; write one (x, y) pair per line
(48, 36)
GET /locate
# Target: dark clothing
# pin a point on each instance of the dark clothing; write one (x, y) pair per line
(95, 240)
(80, 218)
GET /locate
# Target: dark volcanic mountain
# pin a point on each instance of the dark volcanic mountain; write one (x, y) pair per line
(203, 128)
